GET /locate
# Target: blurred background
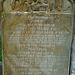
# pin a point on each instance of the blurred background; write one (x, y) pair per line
(0, 34)
(0, 49)
(0, 41)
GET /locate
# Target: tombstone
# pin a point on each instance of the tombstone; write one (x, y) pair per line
(37, 37)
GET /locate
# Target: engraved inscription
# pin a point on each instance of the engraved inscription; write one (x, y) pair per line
(36, 44)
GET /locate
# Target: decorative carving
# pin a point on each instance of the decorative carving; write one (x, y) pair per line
(36, 5)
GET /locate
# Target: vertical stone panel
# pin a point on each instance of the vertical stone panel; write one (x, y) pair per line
(36, 38)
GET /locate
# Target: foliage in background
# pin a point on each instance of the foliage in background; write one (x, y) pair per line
(0, 51)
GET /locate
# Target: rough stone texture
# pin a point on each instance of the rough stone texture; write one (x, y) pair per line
(37, 39)
(36, 43)
(37, 5)
(73, 59)
(74, 19)
(73, 49)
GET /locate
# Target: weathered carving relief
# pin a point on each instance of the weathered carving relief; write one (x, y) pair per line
(36, 5)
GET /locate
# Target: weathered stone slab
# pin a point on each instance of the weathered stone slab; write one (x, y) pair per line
(37, 41)
(36, 44)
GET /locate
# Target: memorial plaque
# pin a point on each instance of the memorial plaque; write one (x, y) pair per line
(37, 37)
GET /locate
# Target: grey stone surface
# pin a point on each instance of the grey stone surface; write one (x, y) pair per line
(73, 49)
(73, 58)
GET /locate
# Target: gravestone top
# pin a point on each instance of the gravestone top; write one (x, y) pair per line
(37, 5)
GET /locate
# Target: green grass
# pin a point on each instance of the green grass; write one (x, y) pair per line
(0, 52)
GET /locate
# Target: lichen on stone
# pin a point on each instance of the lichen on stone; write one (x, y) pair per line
(36, 5)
